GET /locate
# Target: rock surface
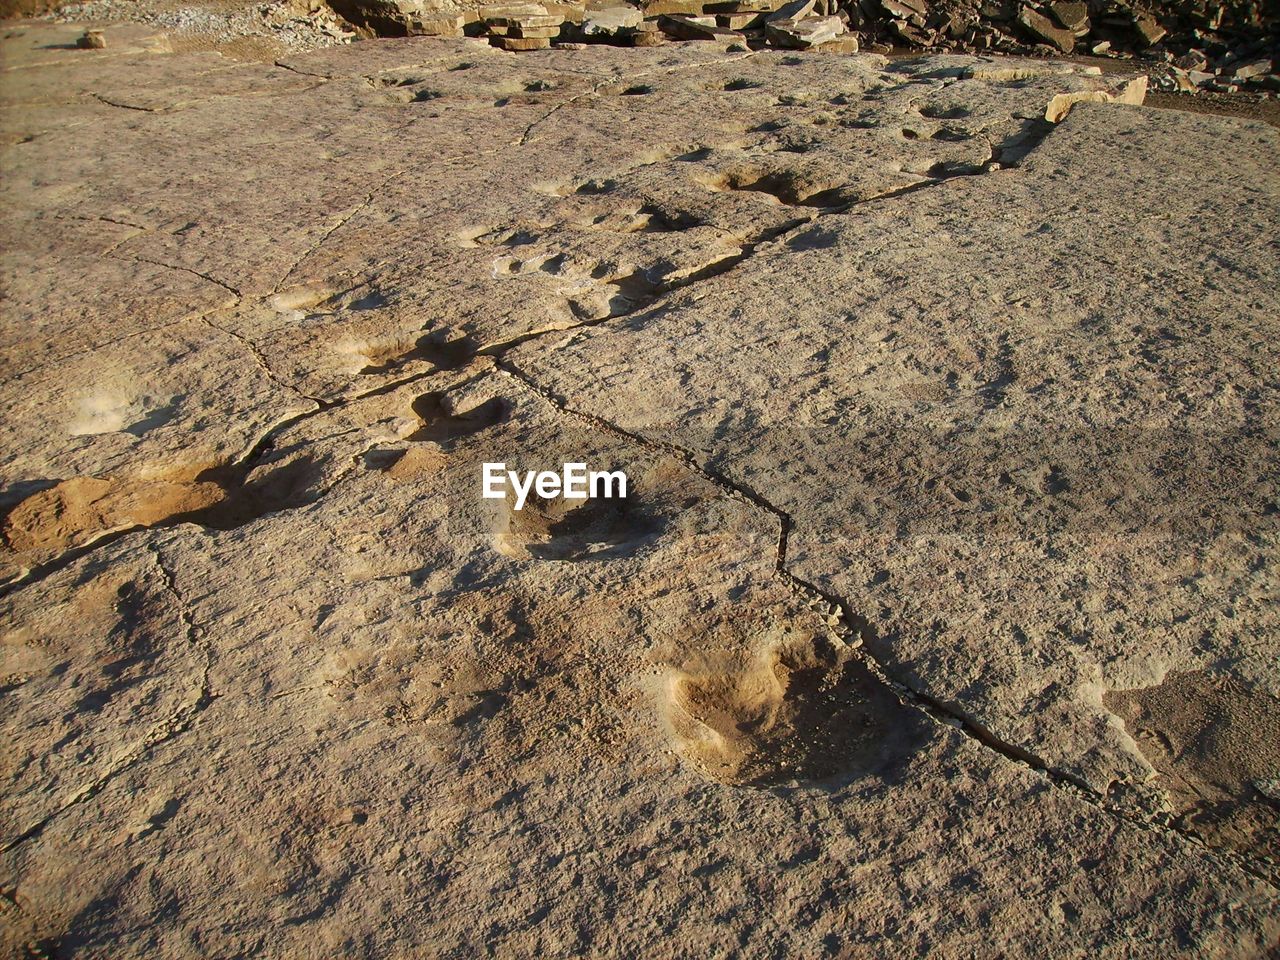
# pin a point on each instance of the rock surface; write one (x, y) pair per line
(941, 614)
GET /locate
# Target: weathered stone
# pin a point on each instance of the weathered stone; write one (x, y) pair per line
(904, 9)
(794, 10)
(655, 8)
(91, 40)
(801, 34)
(841, 45)
(744, 6)
(443, 26)
(1132, 93)
(522, 43)
(739, 21)
(521, 31)
(1073, 16)
(1255, 68)
(270, 656)
(695, 28)
(610, 22)
(506, 13)
(525, 21)
(1148, 31)
(1041, 28)
(1191, 60)
(400, 17)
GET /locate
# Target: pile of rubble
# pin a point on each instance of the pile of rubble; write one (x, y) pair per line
(1215, 47)
(797, 24)
(293, 24)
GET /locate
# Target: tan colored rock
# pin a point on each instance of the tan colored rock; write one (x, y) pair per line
(944, 579)
(1132, 93)
(841, 45)
(610, 22)
(795, 10)
(801, 34)
(1041, 28)
(739, 21)
(695, 28)
(656, 8)
(1073, 16)
(519, 43)
(1148, 31)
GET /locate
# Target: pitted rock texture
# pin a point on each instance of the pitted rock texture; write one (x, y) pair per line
(939, 617)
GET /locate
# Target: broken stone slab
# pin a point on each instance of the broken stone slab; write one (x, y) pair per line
(1132, 93)
(739, 21)
(802, 34)
(744, 6)
(444, 26)
(1072, 16)
(610, 22)
(532, 21)
(1148, 31)
(503, 12)
(904, 9)
(843, 45)
(1257, 68)
(684, 27)
(1191, 60)
(909, 12)
(1041, 28)
(515, 44)
(658, 8)
(319, 591)
(520, 32)
(795, 10)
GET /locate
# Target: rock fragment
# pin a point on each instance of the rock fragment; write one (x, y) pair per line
(1041, 28)
(611, 21)
(1191, 60)
(517, 44)
(658, 8)
(1072, 16)
(1133, 93)
(802, 34)
(795, 10)
(91, 40)
(684, 27)
(912, 11)
(1148, 31)
(1257, 68)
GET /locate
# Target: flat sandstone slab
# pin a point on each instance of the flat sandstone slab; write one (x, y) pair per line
(940, 612)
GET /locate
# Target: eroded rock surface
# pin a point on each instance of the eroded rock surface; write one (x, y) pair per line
(949, 433)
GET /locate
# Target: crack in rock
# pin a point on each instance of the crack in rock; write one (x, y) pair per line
(855, 630)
